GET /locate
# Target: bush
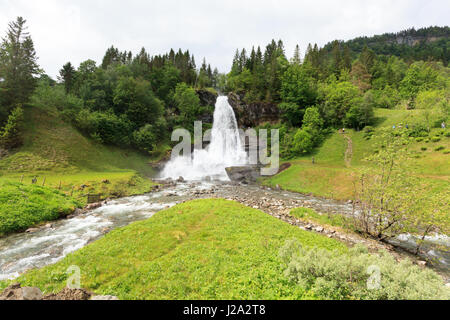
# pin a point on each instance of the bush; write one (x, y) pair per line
(369, 131)
(359, 275)
(419, 131)
(291, 114)
(420, 139)
(10, 136)
(447, 134)
(439, 148)
(435, 139)
(424, 148)
(110, 128)
(145, 139)
(303, 142)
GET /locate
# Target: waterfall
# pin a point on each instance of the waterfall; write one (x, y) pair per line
(225, 150)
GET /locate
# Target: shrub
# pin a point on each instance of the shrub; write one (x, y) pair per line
(447, 134)
(424, 148)
(439, 148)
(420, 139)
(419, 131)
(435, 139)
(368, 132)
(359, 275)
(145, 138)
(303, 142)
(10, 136)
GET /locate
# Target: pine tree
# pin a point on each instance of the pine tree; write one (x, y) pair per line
(18, 66)
(347, 59)
(296, 59)
(337, 58)
(67, 76)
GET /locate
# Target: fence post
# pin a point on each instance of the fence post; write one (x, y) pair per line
(71, 194)
(59, 188)
(21, 179)
(43, 184)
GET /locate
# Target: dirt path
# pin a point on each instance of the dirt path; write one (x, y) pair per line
(349, 151)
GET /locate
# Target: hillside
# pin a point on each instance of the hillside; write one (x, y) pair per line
(332, 177)
(55, 151)
(421, 44)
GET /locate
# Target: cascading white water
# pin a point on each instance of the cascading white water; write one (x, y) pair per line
(225, 150)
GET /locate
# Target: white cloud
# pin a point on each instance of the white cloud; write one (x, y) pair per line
(74, 31)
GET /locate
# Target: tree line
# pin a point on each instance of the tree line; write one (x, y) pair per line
(335, 88)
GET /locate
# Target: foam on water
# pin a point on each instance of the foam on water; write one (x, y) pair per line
(225, 150)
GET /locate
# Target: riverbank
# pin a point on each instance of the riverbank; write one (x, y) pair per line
(20, 252)
(24, 205)
(211, 249)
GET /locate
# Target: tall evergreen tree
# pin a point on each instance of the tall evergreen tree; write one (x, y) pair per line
(18, 66)
(67, 76)
(337, 58)
(296, 59)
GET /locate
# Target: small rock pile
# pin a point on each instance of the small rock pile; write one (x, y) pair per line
(17, 292)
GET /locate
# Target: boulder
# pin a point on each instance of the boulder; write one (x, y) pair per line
(29, 293)
(16, 292)
(181, 180)
(94, 206)
(247, 174)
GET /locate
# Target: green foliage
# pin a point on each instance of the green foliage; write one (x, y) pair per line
(18, 67)
(23, 206)
(135, 99)
(337, 100)
(430, 44)
(359, 116)
(112, 129)
(10, 134)
(420, 76)
(188, 103)
(204, 249)
(291, 114)
(298, 86)
(392, 200)
(303, 142)
(145, 138)
(359, 275)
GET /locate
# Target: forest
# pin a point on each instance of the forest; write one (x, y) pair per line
(135, 100)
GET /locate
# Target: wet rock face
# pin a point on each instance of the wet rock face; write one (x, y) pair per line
(207, 99)
(253, 114)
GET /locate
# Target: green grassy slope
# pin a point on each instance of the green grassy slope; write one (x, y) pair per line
(330, 177)
(205, 249)
(55, 151)
(22, 206)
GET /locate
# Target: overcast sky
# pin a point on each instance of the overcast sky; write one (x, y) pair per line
(75, 31)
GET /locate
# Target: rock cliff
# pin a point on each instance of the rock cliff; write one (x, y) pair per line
(253, 114)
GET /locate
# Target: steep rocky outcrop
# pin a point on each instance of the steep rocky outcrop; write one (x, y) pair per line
(253, 114)
(207, 99)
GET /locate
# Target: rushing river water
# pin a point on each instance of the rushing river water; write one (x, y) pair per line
(21, 252)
